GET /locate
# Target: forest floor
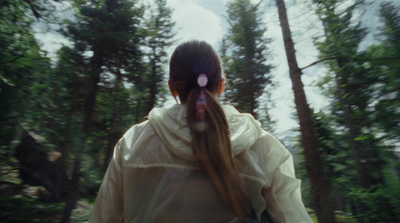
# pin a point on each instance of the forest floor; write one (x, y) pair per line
(21, 203)
(20, 209)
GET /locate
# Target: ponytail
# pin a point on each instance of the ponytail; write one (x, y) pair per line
(195, 76)
(212, 148)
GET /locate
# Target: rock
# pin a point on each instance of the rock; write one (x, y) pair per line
(39, 168)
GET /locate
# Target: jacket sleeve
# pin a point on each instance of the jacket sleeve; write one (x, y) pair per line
(282, 196)
(109, 207)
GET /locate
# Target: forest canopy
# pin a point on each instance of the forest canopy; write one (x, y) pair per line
(63, 111)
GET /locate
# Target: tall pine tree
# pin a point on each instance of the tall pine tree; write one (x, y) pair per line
(320, 187)
(245, 56)
(106, 34)
(159, 37)
(384, 60)
(353, 95)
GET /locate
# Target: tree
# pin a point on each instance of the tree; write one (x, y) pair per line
(150, 89)
(244, 56)
(319, 181)
(108, 31)
(384, 60)
(22, 64)
(160, 33)
(338, 31)
(352, 92)
(335, 152)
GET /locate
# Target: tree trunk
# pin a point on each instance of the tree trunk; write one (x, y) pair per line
(90, 102)
(319, 184)
(116, 121)
(153, 81)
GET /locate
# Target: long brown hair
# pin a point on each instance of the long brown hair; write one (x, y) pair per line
(206, 119)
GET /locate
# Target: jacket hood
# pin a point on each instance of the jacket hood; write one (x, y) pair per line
(171, 127)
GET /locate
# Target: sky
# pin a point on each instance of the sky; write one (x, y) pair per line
(206, 20)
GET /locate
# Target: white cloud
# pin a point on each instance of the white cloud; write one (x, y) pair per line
(196, 22)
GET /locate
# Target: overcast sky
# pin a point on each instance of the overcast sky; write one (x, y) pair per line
(205, 20)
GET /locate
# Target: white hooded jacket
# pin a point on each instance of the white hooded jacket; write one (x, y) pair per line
(153, 176)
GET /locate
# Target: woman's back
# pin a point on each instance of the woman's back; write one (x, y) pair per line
(198, 161)
(171, 194)
(161, 182)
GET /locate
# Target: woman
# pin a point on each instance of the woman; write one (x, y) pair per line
(198, 161)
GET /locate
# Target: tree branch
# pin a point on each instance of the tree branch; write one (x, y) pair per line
(256, 6)
(354, 59)
(317, 62)
(33, 9)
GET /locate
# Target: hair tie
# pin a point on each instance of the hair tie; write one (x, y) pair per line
(201, 106)
(202, 80)
(201, 103)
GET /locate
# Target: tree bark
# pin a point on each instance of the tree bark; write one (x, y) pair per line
(319, 184)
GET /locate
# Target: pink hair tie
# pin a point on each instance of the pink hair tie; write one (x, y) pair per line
(202, 80)
(201, 103)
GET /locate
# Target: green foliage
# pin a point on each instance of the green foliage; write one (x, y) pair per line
(90, 92)
(23, 71)
(110, 30)
(355, 85)
(151, 86)
(19, 209)
(118, 56)
(383, 60)
(244, 54)
(381, 201)
(16, 40)
(337, 165)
